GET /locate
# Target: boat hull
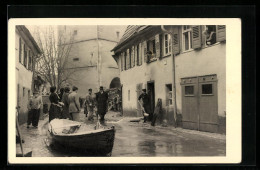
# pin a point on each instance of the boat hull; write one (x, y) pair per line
(100, 143)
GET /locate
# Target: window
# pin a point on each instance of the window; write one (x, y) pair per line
(207, 89)
(23, 91)
(151, 51)
(30, 61)
(138, 55)
(122, 61)
(168, 94)
(130, 58)
(20, 50)
(128, 95)
(75, 59)
(75, 32)
(210, 33)
(189, 90)
(29, 94)
(167, 44)
(25, 57)
(125, 61)
(186, 38)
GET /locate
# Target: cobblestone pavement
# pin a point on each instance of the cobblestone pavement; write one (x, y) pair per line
(134, 138)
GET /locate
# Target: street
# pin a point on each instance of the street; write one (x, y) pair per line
(132, 139)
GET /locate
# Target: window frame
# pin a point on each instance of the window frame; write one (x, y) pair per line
(169, 44)
(205, 39)
(189, 30)
(151, 40)
(212, 89)
(25, 62)
(189, 95)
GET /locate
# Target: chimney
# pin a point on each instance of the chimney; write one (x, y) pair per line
(117, 36)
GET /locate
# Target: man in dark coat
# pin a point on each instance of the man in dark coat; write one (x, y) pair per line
(146, 103)
(101, 98)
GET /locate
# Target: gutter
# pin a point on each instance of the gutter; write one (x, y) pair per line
(174, 80)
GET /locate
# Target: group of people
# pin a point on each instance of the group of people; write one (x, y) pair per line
(66, 105)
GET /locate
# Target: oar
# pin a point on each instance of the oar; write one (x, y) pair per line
(19, 135)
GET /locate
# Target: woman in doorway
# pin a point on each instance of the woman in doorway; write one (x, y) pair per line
(55, 108)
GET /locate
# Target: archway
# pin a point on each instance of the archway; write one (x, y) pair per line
(115, 83)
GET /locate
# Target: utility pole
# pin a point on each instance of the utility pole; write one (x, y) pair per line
(99, 60)
(173, 69)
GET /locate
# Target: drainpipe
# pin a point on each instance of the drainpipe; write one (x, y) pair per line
(173, 69)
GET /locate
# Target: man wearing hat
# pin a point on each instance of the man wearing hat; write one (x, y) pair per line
(34, 106)
(90, 104)
(146, 103)
(101, 98)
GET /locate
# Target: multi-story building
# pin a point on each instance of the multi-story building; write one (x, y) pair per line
(26, 50)
(184, 65)
(90, 58)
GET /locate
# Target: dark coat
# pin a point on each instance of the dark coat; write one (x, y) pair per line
(55, 111)
(65, 111)
(101, 103)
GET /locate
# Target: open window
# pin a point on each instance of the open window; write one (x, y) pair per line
(186, 38)
(151, 50)
(167, 44)
(210, 34)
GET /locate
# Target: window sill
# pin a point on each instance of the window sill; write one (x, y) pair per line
(152, 60)
(165, 56)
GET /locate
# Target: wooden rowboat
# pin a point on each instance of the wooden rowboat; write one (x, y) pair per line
(81, 137)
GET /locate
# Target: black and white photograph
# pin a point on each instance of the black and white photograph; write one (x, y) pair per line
(124, 90)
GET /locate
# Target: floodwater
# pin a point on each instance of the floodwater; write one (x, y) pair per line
(133, 139)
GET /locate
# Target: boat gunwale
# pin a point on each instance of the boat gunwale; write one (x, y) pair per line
(84, 133)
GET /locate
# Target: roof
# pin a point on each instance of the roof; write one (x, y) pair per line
(130, 31)
(23, 29)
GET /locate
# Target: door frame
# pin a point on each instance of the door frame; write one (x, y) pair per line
(152, 106)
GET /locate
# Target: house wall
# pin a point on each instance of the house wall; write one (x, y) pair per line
(24, 79)
(210, 60)
(159, 71)
(87, 48)
(206, 61)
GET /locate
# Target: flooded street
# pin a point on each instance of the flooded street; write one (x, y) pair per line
(132, 139)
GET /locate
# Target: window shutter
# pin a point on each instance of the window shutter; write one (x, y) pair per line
(140, 54)
(20, 49)
(122, 61)
(176, 41)
(196, 37)
(145, 51)
(221, 33)
(136, 58)
(29, 61)
(157, 45)
(133, 57)
(25, 57)
(127, 59)
(161, 44)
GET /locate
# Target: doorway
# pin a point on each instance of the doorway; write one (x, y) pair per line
(151, 94)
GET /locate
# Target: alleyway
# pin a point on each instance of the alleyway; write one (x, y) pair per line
(134, 139)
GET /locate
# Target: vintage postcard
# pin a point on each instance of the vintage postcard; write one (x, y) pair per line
(125, 90)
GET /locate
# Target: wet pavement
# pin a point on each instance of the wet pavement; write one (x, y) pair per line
(132, 139)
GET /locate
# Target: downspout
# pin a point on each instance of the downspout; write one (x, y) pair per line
(174, 81)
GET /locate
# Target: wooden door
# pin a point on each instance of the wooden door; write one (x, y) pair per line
(208, 103)
(138, 93)
(190, 114)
